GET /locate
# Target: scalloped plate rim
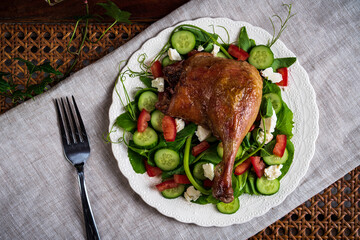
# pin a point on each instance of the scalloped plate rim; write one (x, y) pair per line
(280, 198)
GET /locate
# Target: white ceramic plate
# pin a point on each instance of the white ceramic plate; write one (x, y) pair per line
(299, 96)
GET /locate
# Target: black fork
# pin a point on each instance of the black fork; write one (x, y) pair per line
(77, 151)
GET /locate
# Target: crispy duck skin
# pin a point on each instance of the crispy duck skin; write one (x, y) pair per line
(223, 95)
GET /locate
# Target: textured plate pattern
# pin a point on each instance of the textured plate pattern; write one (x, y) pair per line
(299, 95)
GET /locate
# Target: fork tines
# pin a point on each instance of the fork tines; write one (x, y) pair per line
(71, 125)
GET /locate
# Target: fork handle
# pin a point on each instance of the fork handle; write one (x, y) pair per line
(90, 225)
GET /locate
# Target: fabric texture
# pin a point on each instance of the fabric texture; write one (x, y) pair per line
(39, 193)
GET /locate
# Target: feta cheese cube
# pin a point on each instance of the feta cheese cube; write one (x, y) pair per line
(200, 48)
(260, 137)
(273, 171)
(270, 124)
(180, 124)
(202, 133)
(158, 83)
(215, 50)
(174, 55)
(208, 170)
(270, 75)
(192, 194)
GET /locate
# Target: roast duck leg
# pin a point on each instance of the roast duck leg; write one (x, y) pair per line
(223, 95)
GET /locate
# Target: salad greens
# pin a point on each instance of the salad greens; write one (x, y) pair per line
(244, 42)
(282, 63)
(255, 145)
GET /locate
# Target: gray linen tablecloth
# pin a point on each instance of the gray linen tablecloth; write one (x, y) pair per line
(39, 195)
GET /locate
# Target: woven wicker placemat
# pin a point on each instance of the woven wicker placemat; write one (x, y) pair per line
(331, 214)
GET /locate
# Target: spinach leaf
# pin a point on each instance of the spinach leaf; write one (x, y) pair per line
(268, 149)
(206, 199)
(125, 122)
(244, 41)
(247, 188)
(211, 155)
(209, 47)
(242, 179)
(284, 123)
(282, 62)
(181, 137)
(269, 87)
(146, 81)
(286, 166)
(250, 187)
(133, 147)
(252, 42)
(168, 174)
(136, 161)
(246, 142)
(266, 108)
(200, 36)
(252, 181)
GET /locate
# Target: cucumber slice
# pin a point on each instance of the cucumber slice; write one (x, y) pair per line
(147, 101)
(198, 171)
(166, 61)
(267, 187)
(166, 159)
(183, 41)
(220, 54)
(156, 120)
(275, 160)
(147, 139)
(220, 151)
(174, 192)
(275, 101)
(229, 208)
(261, 57)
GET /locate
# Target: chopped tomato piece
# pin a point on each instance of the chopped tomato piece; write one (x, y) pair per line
(166, 185)
(152, 171)
(280, 145)
(156, 69)
(208, 183)
(252, 128)
(169, 128)
(193, 52)
(181, 179)
(237, 52)
(284, 74)
(200, 148)
(259, 166)
(243, 167)
(144, 117)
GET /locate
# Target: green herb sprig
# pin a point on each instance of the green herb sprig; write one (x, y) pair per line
(283, 26)
(17, 93)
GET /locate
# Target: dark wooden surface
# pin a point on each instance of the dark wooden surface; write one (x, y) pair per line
(12, 11)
